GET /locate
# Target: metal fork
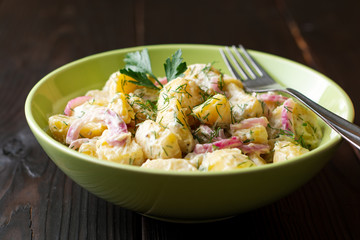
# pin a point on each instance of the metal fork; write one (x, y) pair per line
(256, 79)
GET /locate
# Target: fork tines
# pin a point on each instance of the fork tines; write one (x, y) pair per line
(245, 64)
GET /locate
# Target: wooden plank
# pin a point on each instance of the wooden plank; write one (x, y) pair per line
(37, 201)
(319, 209)
(255, 24)
(332, 34)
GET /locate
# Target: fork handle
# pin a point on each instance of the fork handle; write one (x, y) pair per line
(346, 129)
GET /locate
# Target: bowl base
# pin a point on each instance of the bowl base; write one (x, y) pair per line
(184, 220)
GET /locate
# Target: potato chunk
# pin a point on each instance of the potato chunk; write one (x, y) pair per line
(120, 83)
(292, 120)
(127, 153)
(186, 91)
(173, 118)
(120, 105)
(89, 148)
(251, 130)
(225, 159)
(214, 111)
(285, 150)
(176, 164)
(208, 78)
(59, 126)
(156, 141)
(243, 105)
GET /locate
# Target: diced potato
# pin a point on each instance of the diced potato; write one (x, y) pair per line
(120, 105)
(92, 129)
(176, 164)
(286, 150)
(195, 159)
(173, 118)
(243, 105)
(100, 98)
(89, 148)
(214, 111)
(208, 78)
(230, 80)
(128, 153)
(121, 83)
(156, 141)
(59, 126)
(254, 132)
(305, 128)
(187, 92)
(225, 159)
(257, 159)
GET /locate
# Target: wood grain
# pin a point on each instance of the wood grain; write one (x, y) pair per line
(37, 201)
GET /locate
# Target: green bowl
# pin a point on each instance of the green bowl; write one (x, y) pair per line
(181, 196)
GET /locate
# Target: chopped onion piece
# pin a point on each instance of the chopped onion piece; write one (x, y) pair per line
(287, 115)
(112, 120)
(78, 142)
(233, 142)
(206, 130)
(214, 84)
(269, 97)
(73, 103)
(255, 148)
(249, 123)
(211, 135)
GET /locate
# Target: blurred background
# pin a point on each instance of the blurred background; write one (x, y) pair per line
(38, 36)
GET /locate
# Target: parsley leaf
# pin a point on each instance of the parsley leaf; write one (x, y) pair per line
(175, 67)
(138, 61)
(140, 78)
(138, 66)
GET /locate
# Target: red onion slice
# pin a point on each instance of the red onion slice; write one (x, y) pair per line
(255, 148)
(112, 120)
(233, 142)
(268, 97)
(249, 123)
(73, 103)
(287, 115)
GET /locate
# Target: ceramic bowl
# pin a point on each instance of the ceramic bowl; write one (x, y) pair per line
(181, 196)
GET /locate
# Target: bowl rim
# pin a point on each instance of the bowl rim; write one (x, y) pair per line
(39, 132)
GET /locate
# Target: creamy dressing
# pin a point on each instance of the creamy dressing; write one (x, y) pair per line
(202, 121)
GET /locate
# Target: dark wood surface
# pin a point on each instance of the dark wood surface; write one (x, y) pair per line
(37, 201)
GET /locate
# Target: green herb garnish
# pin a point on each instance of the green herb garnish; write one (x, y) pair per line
(175, 67)
(138, 67)
(141, 78)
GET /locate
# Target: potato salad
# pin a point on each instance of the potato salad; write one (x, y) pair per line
(196, 118)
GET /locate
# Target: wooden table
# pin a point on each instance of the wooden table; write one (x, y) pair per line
(37, 201)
